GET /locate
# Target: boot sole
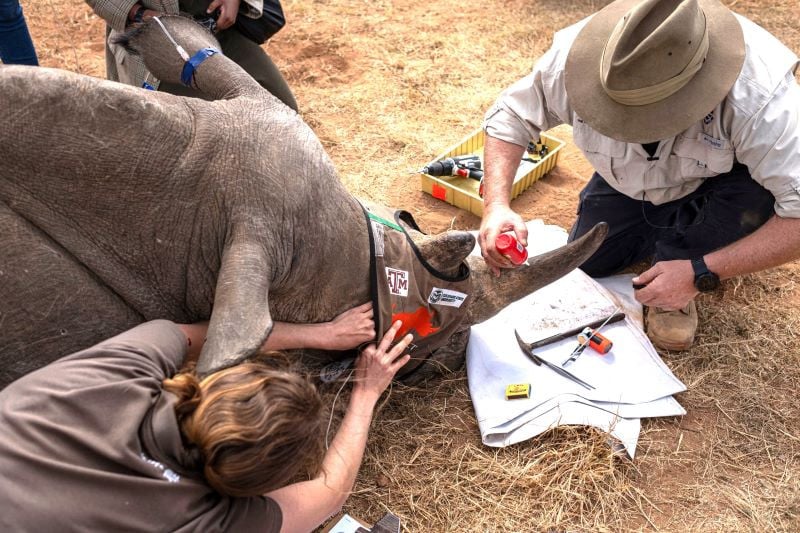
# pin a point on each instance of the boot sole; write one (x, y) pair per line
(670, 345)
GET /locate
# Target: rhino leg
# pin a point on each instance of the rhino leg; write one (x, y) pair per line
(50, 304)
(241, 320)
(218, 77)
(444, 360)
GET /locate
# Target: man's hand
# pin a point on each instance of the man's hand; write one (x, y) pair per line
(350, 328)
(376, 366)
(669, 285)
(499, 219)
(228, 10)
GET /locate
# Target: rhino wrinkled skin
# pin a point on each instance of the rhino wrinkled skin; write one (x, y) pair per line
(120, 205)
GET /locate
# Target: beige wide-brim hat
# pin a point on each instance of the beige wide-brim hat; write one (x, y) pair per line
(637, 52)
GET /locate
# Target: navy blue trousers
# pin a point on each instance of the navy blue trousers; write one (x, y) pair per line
(722, 210)
(16, 46)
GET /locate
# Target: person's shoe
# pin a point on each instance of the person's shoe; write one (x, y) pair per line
(672, 330)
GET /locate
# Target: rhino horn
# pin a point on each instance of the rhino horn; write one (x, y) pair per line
(491, 293)
(446, 251)
(217, 76)
(241, 320)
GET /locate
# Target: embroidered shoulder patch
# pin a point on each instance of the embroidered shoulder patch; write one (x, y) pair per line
(446, 297)
(711, 141)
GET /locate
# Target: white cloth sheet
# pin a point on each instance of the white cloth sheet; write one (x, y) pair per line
(631, 381)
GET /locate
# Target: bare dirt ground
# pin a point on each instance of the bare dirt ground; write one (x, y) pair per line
(387, 85)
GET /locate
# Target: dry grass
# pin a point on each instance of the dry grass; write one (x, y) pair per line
(387, 85)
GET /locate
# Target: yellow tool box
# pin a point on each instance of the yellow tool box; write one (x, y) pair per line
(464, 192)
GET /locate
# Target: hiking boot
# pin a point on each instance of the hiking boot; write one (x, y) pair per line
(672, 330)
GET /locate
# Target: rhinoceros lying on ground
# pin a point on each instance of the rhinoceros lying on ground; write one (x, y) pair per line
(119, 205)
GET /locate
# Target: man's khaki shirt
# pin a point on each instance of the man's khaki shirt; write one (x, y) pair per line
(757, 124)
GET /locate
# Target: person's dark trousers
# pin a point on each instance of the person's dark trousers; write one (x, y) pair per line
(242, 51)
(16, 46)
(722, 210)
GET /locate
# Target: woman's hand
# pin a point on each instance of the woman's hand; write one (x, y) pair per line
(376, 366)
(228, 10)
(349, 329)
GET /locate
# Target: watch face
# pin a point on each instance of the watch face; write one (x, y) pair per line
(706, 282)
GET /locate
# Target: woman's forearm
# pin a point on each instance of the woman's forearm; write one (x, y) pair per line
(307, 504)
(284, 336)
(347, 330)
(287, 336)
(343, 459)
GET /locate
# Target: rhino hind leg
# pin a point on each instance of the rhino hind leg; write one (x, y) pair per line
(50, 305)
(445, 360)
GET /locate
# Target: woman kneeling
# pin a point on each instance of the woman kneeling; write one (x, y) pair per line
(105, 439)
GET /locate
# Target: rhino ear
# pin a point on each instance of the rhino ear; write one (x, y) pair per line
(444, 252)
(240, 320)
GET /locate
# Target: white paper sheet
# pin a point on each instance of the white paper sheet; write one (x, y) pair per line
(631, 381)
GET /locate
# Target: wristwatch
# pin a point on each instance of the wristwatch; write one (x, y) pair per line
(704, 279)
(138, 17)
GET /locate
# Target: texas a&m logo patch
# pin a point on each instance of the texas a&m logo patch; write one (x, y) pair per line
(398, 281)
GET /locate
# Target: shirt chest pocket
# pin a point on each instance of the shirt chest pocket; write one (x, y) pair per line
(703, 156)
(605, 154)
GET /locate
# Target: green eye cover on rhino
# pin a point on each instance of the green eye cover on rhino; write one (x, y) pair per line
(405, 287)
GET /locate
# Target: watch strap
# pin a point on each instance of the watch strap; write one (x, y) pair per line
(704, 279)
(699, 267)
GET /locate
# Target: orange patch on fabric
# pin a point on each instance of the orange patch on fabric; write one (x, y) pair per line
(420, 321)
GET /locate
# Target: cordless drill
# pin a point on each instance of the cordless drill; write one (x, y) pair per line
(466, 166)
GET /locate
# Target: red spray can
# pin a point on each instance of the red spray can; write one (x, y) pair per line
(507, 245)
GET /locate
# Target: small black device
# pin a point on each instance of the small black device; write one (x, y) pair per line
(209, 22)
(704, 279)
(138, 17)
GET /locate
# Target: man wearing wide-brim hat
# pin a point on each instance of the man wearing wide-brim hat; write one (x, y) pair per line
(689, 115)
